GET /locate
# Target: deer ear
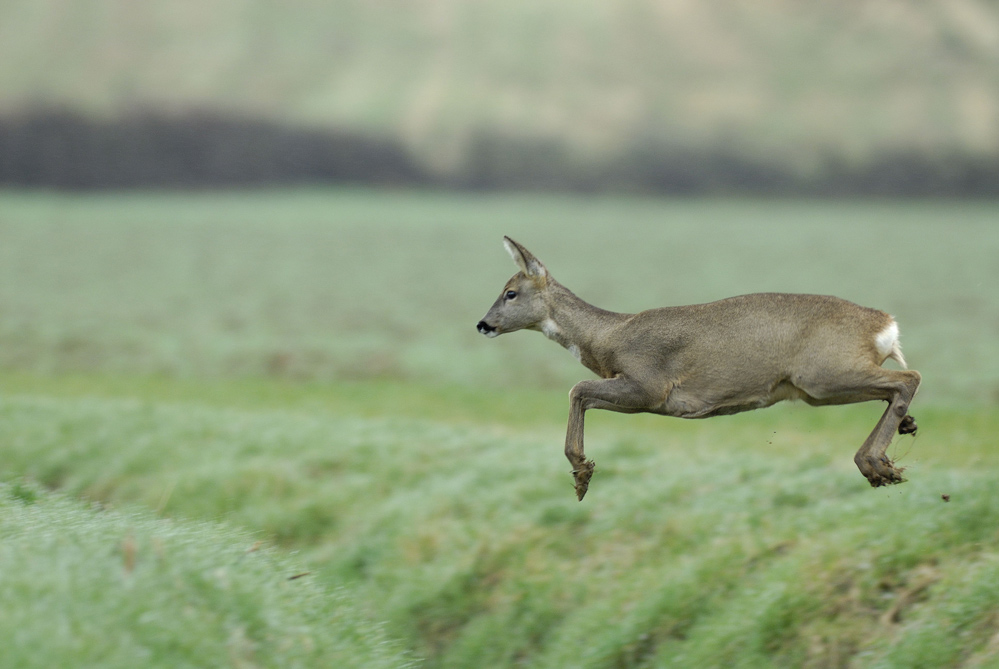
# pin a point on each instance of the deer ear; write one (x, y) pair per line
(528, 264)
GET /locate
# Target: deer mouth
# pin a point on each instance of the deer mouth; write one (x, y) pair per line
(486, 329)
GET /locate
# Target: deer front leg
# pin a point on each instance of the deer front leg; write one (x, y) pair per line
(619, 394)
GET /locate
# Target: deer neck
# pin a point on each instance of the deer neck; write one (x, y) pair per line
(577, 325)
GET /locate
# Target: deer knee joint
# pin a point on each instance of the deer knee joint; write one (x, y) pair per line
(578, 392)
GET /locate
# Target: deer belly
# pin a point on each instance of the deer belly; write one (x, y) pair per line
(685, 402)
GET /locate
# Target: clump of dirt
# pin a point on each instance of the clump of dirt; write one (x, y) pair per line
(908, 425)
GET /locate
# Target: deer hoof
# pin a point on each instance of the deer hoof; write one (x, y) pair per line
(908, 425)
(582, 477)
(883, 472)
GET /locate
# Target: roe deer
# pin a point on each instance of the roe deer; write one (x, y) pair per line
(703, 360)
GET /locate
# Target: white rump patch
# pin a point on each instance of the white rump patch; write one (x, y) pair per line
(885, 340)
(888, 345)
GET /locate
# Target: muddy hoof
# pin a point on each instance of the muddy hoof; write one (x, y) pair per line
(883, 472)
(582, 477)
(907, 426)
(893, 478)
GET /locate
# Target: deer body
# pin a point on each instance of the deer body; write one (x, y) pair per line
(724, 357)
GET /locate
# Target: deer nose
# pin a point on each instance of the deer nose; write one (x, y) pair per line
(484, 328)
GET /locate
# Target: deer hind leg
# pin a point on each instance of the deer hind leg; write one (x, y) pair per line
(895, 387)
(619, 394)
(871, 458)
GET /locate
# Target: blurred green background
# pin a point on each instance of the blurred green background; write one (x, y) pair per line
(847, 77)
(888, 97)
(245, 416)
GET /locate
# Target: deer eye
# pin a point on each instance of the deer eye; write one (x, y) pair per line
(510, 294)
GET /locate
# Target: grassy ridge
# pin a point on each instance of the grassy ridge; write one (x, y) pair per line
(749, 540)
(88, 587)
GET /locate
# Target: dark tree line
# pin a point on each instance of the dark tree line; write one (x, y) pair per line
(63, 149)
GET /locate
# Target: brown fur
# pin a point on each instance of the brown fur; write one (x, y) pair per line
(703, 360)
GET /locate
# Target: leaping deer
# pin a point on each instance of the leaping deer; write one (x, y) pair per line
(724, 357)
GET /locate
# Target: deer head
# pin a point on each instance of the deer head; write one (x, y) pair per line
(522, 304)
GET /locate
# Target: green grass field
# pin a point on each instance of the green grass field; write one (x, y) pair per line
(204, 396)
